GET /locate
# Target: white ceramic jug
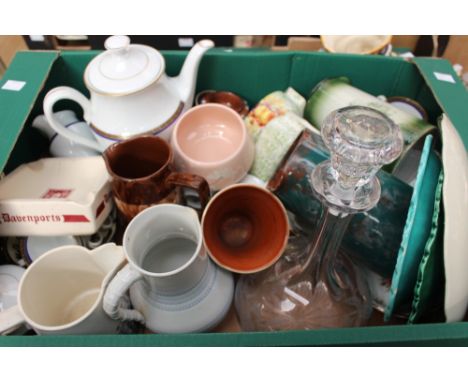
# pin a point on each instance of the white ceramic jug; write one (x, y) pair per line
(130, 93)
(180, 289)
(62, 291)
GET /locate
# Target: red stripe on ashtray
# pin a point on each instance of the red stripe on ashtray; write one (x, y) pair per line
(75, 219)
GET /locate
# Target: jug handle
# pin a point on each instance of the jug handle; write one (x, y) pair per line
(116, 290)
(65, 92)
(10, 319)
(194, 182)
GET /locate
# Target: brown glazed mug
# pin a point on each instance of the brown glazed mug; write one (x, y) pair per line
(143, 175)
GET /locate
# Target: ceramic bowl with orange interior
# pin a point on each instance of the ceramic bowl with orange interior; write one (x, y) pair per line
(212, 141)
(245, 228)
(366, 44)
(225, 98)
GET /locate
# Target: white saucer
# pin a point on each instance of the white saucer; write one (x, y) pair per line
(10, 276)
(38, 245)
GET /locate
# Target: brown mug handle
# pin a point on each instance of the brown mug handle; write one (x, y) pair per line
(194, 182)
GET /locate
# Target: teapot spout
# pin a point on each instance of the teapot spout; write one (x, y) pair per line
(187, 79)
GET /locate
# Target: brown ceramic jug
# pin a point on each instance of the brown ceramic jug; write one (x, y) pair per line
(143, 175)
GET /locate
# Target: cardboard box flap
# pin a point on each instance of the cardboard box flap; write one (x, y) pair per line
(449, 91)
(373, 74)
(20, 86)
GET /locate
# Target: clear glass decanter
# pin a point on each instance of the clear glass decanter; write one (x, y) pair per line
(313, 285)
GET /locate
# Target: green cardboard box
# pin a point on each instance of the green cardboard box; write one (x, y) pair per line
(252, 74)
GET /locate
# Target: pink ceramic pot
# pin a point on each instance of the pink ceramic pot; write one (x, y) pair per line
(212, 141)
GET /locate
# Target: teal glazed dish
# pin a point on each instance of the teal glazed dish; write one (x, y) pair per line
(428, 300)
(417, 230)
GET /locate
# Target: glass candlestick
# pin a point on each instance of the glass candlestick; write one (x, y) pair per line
(313, 285)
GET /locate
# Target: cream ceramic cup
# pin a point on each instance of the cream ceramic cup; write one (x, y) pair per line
(212, 141)
(62, 292)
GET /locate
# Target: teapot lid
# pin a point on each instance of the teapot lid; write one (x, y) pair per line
(123, 68)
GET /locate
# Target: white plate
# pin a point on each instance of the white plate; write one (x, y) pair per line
(10, 276)
(455, 198)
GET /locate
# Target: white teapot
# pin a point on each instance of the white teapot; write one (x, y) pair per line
(130, 93)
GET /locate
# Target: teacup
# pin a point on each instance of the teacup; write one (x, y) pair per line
(174, 287)
(212, 141)
(245, 228)
(143, 175)
(62, 291)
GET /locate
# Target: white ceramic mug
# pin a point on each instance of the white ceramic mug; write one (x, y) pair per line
(62, 291)
(174, 287)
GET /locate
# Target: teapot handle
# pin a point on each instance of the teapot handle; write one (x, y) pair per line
(117, 288)
(65, 92)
